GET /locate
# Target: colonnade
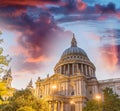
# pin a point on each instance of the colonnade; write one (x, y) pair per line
(65, 106)
(56, 105)
(75, 68)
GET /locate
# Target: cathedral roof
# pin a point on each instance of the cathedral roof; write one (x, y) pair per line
(74, 49)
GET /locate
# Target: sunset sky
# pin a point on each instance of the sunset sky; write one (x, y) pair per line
(37, 32)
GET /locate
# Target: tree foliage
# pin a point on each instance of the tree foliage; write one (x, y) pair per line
(93, 105)
(111, 100)
(23, 100)
(4, 90)
(26, 108)
(4, 61)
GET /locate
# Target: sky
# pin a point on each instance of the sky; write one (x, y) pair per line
(36, 33)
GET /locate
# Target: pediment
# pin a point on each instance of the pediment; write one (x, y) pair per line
(55, 77)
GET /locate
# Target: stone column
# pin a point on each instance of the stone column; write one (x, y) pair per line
(50, 105)
(77, 68)
(89, 70)
(45, 89)
(60, 69)
(86, 70)
(83, 91)
(61, 106)
(58, 108)
(80, 87)
(66, 107)
(66, 88)
(82, 68)
(68, 69)
(72, 69)
(80, 106)
(55, 106)
(93, 72)
(76, 88)
(64, 69)
(77, 106)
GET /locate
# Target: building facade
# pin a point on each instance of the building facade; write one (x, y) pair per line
(73, 82)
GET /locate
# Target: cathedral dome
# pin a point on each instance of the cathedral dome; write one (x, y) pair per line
(74, 49)
(74, 60)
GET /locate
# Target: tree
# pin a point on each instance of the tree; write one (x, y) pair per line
(26, 108)
(3, 59)
(111, 100)
(5, 91)
(93, 105)
(23, 100)
(4, 62)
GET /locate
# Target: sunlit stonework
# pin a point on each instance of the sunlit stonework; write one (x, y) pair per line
(73, 82)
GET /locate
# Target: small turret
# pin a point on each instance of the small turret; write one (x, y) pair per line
(30, 85)
(39, 79)
(8, 78)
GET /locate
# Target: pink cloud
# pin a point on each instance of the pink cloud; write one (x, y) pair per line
(81, 5)
(109, 56)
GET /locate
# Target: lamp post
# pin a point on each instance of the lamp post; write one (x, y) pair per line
(98, 98)
(53, 89)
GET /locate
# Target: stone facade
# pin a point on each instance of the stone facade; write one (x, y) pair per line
(112, 83)
(73, 82)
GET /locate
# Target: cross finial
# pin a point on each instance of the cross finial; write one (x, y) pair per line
(73, 42)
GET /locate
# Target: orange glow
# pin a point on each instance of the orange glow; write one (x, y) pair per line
(39, 59)
(71, 102)
(81, 5)
(118, 15)
(54, 86)
(98, 97)
(29, 3)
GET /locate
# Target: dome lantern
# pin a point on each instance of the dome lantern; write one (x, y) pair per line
(73, 42)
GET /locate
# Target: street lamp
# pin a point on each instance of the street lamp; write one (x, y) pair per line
(53, 88)
(98, 98)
